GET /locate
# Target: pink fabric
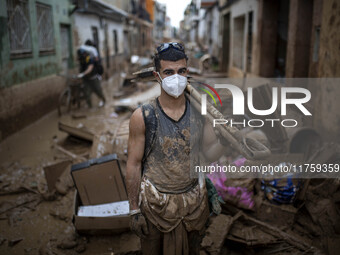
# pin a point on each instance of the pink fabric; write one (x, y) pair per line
(239, 196)
(239, 162)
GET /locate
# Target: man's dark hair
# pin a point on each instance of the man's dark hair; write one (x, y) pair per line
(89, 42)
(170, 54)
(82, 54)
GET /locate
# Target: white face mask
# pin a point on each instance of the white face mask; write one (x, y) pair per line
(174, 85)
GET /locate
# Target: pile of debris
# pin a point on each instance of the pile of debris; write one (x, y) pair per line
(48, 189)
(270, 214)
(261, 215)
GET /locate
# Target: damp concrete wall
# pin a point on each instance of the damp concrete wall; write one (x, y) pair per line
(29, 86)
(315, 39)
(239, 24)
(22, 104)
(299, 38)
(19, 68)
(329, 52)
(327, 114)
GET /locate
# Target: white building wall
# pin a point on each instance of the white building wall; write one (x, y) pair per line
(120, 37)
(168, 29)
(208, 30)
(201, 26)
(193, 32)
(238, 9)
(159, 18)
(83, 24)
(215, 31)
(212, 31)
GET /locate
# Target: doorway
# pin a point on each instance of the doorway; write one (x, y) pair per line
(282, 39)
(225, 43)
(238, 42)
(65, 42)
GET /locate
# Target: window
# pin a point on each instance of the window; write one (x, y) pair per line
(45, 27)
(19, 27)
(115, 41)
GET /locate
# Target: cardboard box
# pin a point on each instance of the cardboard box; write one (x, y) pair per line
(54, 171)
(99, 181)
(119, 208)
(99, 225)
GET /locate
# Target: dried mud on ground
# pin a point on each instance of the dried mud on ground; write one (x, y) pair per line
(34, 220)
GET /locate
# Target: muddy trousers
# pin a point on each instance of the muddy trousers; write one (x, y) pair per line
(92, 86)
(176, 242)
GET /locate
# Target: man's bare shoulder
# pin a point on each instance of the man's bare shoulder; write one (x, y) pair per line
(137, 121)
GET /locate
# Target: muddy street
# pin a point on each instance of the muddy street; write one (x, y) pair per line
(34, 221)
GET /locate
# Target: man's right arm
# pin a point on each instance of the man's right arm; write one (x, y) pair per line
(135, 156)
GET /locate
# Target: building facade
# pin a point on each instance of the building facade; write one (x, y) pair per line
(159, 22)
(105, 25)
(36, 45)
(273, 39)
(286, 39)
(208, 28)
(39, 42)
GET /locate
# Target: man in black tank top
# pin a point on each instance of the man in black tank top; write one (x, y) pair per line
(168, 207)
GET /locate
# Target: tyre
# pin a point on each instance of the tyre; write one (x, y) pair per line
(64, 104)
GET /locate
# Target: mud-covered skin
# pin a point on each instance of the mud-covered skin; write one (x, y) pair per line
(167, 165)
(169, 196)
